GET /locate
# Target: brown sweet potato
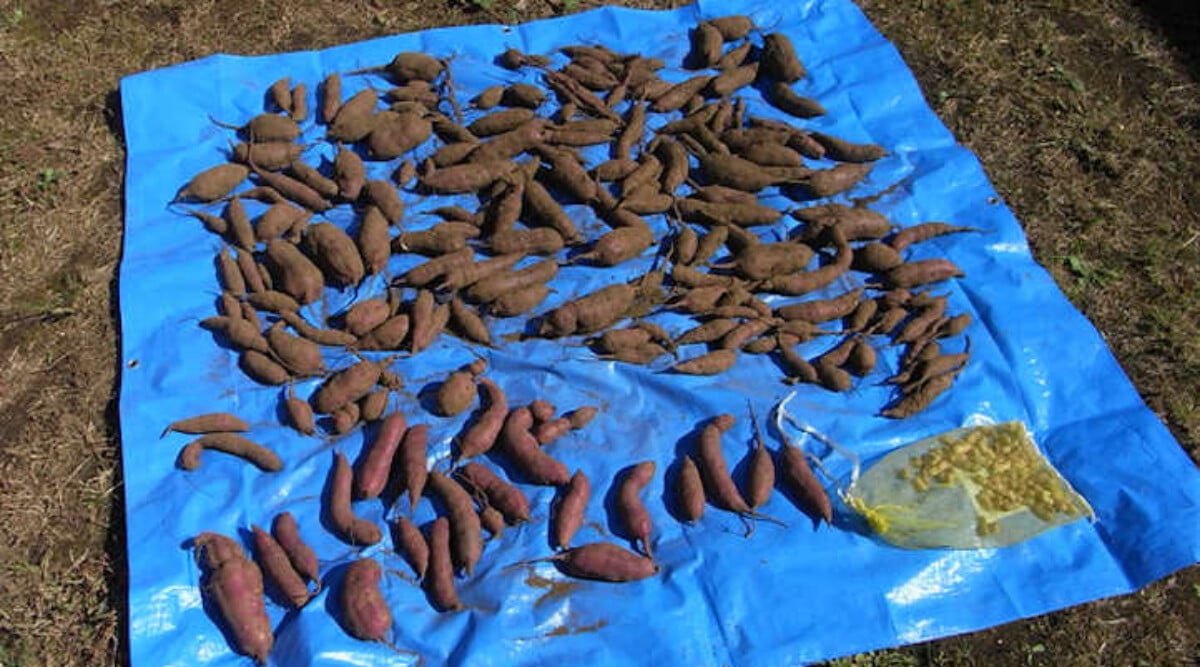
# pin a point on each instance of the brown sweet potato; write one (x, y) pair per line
(519, 302)
(230, 443)
(602, 561)
(589, 313)
(274, 155)
(732, 80)
(439, 577)
(354, 119)
(260, 368)
(568, 510)
(798, 480)
(457, 392)
(732, 27)
(713, 363)
(679, 94)
(372, 474)
(350, 173)
(308, 175)
(463, 178)
(411, 544)
(467, 324)
(782, 97)
(293, 273)
(364, 613)
(779, 60)
(922, 272)
(632, 515)
(300, 414)
(499, 494)
(348, 527)
(301, 356)
(511, 281)
(924, 232)
(331, 97)
(346, 386)
(212, 422)
(235, 587)
(829, 182)
(394, 134)
(278, 569)
(466, 541)
(528, 458)
(304, 561)
(481, 435)
(213, 183)
(334, 251)
(293, 190)
(331, 337)
(845, 151)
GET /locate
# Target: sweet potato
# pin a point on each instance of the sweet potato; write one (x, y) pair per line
(614, 170)
(520, 301)
(602, 561)
(466, 543)
(299, 414)
(439, 576)
(632, 515)
(308, 175)
(294, 273)
(589, 313)
(679, 94)
(732, 27)
(372, 474)
(424, 274)
(538, 241)
(299, 100)
(304, 561)
(346, 386)
(242, 333)
(922, 272)
(822, 310)
(331, 337)
(345, 419)
(346, 526)
(235, 587)
(760, 478)
(383, 195)
(457, 392)
(738, 173)
(528, 458)
(798, 480)
(542, 410)
(481, 435)
(331, 97)
(274, 155)
(409, 468)
(354, 119)
(293, 190)
(797, 368)
(467, 324)
(766, 260)
(567, 175)
(230, 443)
(779, 60)
(365, 316)
(498, 494)
(393, 134)
(744, 332)
(499, 122)
(924, 232)
(731, 80)
(464, 178)
(568, 510)
(364, 613)
(782, 97)
(541, 209)
(335, 252)
(300, 356)
(829, 182)
(212, 422)
(278, 569)
(213, 183)
(260, 368)
(511, 281)
(713, 363)
(372, 406)
(845, 151)
(411, 544)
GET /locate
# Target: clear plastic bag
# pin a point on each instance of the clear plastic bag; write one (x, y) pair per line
(974, 487)
(970, 488)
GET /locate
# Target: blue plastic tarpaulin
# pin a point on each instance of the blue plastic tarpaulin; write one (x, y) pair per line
(781, 596)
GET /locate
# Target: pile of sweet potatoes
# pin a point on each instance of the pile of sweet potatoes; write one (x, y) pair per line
(672, 168)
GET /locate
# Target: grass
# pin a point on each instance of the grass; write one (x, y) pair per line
(1083, 113)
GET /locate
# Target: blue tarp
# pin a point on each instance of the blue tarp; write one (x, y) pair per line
(779, 597)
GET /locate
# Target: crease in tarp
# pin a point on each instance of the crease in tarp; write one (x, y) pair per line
(777, 597)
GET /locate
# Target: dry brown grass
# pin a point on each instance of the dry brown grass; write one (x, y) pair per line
(1086, 120)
